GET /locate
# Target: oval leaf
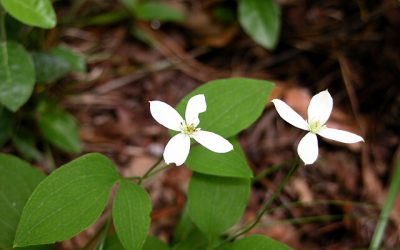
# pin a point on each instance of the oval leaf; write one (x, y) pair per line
(232, 104)
(76, 61)
(61, 129)
(255, 242)
(38, 13)
(18, 179)
(67, 201)
(48, 67)
(261, 20)
(17, 75)
(131, 215)
(216, 203)
(231, 164)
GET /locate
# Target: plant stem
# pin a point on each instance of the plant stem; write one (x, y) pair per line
(385, 213)
(102, 231)
(267, 205)
(150, 172)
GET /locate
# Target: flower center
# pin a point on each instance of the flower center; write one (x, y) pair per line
(189, 129)
(315, 126)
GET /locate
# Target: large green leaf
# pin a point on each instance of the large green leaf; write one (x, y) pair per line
(131, 215)
(216, 203)
(38, 13)
(255, 242)
(232, 104)
(67, 201)
(231, 164)
(17, 75)
(261, 20)
(60, 128)
(6, 121)
(158, 11)
(17, 181)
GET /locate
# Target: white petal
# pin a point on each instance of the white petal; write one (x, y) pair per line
(340, 135)
(289, 115)
(308, 148)
(213, 141)
(195, 106)
(177, 149)
(320, 107)
(166, 115)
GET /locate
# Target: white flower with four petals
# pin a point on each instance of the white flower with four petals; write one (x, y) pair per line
(177, 149)
(319, 110)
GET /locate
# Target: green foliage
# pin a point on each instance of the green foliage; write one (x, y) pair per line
(76, 62)
(195, 240)
(17, 75)
(60, 128)
(158, 11)
(38, 13)
(232, 104)
(231, 164)
(216, 203)
(17, 181)
(5, 125)
(67, 201)
(51, 66)
(255, 242)
(153, 243)
(131, 215)
(261, 20)
(24, 142)
(153, 10)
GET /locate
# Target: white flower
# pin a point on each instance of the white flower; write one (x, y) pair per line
(319, 110)
(177, 149)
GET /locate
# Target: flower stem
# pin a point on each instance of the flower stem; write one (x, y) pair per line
(150, 170)
(267, 205)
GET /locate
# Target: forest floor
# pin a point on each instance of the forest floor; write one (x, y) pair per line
(350, 48)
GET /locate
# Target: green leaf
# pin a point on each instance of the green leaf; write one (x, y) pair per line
(153, 243)
(216, 203)
(112, 243)
(18, 179)
(255, 242)
(6, 121)
(67, 201)
(231, 164)
(261, 19)
(158, 11)
(232, 104)
(17, 75)
(58, 62)
(130, 4)
(60, 128)
(131, 215)
(184, 226)
(194, 241)
(24, 142)
(48, 67)
(76, 61)
(38, 13)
